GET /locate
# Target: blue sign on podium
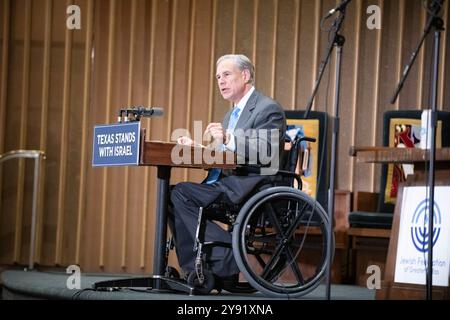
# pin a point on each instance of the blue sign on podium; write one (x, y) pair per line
(116, 144)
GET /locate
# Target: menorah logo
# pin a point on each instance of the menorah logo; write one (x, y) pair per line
(420, 234)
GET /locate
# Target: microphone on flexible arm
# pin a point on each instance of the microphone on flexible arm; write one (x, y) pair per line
(340, 7)
(138, 112)
(435, 6)
(150, 112)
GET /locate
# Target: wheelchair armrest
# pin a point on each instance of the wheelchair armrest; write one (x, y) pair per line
(300, 139)
(309, 139)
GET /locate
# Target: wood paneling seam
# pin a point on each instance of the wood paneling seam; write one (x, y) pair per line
(3, 86)
(295, 55)
(376, 97)
(274, 47)
(212, 62)
(111, 38)
(23, 131)
(64, 143)
(146, 169)
(172, 67)
(355, 88)
(84, 129)
(190, 73)
(129, 102)
(44, 120)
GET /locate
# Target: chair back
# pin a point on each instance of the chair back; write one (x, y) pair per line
(309, 159)
(401, 128)
(292, 155)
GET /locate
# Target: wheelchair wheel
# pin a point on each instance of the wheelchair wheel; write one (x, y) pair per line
(280, 242)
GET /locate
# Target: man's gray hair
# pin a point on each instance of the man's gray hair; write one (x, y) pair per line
(242, 62)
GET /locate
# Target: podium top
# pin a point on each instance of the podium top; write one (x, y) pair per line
(157, 153)
(397, 155)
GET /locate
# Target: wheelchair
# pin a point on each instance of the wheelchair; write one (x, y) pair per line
(279, 236)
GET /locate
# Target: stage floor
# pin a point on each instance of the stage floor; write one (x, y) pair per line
(21, 284)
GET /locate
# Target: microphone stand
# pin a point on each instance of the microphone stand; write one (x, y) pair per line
(338, 41)
(438, 24)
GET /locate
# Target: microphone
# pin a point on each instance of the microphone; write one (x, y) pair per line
(150, 112)
(436, 6)
(138, 112)
(340, 7)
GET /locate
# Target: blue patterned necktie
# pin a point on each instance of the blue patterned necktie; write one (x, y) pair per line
(233, 119)
(214, 173)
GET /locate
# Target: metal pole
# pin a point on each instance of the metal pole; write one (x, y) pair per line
(37, 160)
(334, 141)
(161, 223)
(37, 155)
(338, 41)
(431, 176)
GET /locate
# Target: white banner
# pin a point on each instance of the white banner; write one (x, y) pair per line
(412, 249)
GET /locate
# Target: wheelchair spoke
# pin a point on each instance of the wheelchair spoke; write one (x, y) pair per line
(273, 218)
(275, 258)
(261, 261)
(283, 246)
(297, 221)
(294, 266)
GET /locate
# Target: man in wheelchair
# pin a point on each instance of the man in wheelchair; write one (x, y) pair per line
(255, 129)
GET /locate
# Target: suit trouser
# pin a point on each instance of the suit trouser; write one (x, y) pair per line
(186, 199)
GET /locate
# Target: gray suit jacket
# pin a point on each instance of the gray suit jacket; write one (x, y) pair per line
(260, 115)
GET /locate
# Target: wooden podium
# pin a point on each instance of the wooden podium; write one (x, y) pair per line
(165, 155)
(418, 157)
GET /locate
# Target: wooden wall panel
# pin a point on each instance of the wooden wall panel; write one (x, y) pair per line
(53, 126)
(161, 84)
(266, 35)
(223, 45)
(6, 233)
(414, 22)
(285, 50)
(14, 134)
(307, 52)
(137, 87)
(366, 107)
(323, 101)
(243, 34)
(33, 110)
(391, 48)
(444, 98)
(444, 60)
(202, 73)
(350, 79)
(92, 255)
(179, 108)
(84, 152)
(56, 84)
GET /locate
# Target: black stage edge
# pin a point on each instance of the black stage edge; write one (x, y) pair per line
(52, 285)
